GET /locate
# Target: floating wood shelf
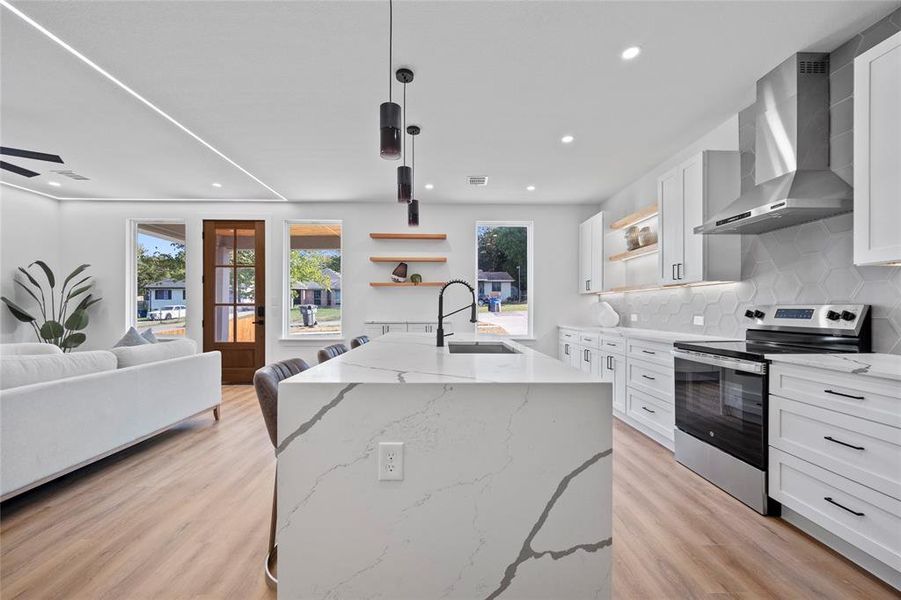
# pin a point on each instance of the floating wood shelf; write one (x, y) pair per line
(636, 217)
(408, 236)
(397, 259)
(406, 284)
(629, 254)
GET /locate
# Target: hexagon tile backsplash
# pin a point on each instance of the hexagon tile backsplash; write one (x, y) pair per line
(810, 263)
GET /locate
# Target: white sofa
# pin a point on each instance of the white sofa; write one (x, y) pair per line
(49, 428)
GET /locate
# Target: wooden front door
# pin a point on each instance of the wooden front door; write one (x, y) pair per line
(234, 293)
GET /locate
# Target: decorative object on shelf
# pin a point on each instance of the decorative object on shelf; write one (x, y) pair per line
(642, 214)
(58, 326)
(399, 274)
(405, 173)
(646, 236)
(632, 237)
(605, 315)
(415, 278)
(413, 206)
(389, 112)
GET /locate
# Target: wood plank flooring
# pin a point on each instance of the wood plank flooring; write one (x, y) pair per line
(185, 516)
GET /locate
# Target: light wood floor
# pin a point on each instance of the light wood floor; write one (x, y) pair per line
(186, 515)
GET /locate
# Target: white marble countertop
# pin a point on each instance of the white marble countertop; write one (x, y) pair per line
(414, 358)
(644, 334)
(885, 366)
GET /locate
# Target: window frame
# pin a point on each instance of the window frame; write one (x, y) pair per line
(530, 270)
(286, 283)
(131, 265)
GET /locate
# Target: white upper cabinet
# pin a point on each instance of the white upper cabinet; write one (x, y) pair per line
(687, 196)
(877, 154)
(591, 255)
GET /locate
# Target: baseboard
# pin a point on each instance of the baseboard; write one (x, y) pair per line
(852, 553)
(647, 431)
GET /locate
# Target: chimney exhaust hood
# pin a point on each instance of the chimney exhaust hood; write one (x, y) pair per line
(794, 183)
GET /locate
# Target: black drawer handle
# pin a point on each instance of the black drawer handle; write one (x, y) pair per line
(609, 344)
(648, 352)
(834, 393)
(649, 377)
(853, 512)
(649, 410)
(832, 439)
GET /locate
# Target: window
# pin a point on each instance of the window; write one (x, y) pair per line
(158, 277)
(504, 266)
(313, 274)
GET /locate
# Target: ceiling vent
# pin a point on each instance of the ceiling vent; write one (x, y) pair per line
(480, 180)
(73, 175)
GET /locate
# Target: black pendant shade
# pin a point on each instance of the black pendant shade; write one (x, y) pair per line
(404, 184)
(413, 213)
(389, 130)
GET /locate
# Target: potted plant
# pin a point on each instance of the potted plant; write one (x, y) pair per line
(57, 324)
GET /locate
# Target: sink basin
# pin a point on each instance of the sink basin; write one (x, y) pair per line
(480, 348)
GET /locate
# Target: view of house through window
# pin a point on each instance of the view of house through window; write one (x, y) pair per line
(503, 278)
(161, 301)
(314, 277)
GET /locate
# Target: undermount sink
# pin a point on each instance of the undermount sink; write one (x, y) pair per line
(480, 348)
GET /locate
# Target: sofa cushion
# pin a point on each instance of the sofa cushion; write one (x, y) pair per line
(148, 353)
(29, 349)
(131, 338)
(16, 371)
(148, 335)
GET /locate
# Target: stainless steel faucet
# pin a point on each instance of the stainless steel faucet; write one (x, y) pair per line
(441, 315)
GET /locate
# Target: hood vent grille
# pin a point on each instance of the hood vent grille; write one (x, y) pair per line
(72, 175)
(813, 67)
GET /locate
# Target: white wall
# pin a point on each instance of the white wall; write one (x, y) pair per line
(29, 231)
(96, 233)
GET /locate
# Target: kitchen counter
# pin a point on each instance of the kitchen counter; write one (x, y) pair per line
(507, 488)
(656, 335)
(883, 366)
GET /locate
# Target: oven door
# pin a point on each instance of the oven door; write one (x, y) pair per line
(722, 401)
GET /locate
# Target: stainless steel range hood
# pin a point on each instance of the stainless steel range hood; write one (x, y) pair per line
(794, 183)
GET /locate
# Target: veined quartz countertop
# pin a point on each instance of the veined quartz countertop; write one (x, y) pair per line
(648, 334)
(414, 358)
(885, 366)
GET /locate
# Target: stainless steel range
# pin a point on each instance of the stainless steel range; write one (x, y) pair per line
(721, 390)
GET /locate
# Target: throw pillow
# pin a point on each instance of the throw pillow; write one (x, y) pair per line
(131, 338)
(147, 334)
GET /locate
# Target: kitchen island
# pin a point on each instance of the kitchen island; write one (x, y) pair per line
(506, 489)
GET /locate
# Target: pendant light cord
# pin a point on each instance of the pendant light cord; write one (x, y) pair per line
(404, 131)
(390, 45)
(413, 168)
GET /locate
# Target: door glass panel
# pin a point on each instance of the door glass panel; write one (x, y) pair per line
(224, 324)
(246, 243)
(246, 283)
(225, 246)
(246, 327)
(225, 285)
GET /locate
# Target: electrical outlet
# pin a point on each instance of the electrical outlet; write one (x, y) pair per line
(698, 320)
(633, 317)
(391, 461)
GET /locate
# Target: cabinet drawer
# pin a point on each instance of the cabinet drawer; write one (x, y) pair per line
(856, 395)
(651, 412)
(819, 495)
(656, 352)
(613, 345)
(861, 450)
(569, 335)
(651, 378)
(590, 340)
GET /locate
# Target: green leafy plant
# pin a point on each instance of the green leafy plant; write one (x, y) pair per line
(56, 324)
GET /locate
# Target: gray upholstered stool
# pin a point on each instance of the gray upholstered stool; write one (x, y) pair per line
(359, 341)
(330, 352)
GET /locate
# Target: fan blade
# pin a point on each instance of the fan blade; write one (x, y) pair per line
(18, 170)
(30, 154)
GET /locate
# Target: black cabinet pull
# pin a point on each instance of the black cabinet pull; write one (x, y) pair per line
(649, 377)
(587, 355)
(674, 272)
(834, 393)
(610, 362)
(566, 349)
(649, 410)
(609, 344)
(832, 439)
(831, 501)
(648, 352)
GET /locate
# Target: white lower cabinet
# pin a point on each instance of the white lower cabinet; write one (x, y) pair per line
(650, 411)
(613, 369)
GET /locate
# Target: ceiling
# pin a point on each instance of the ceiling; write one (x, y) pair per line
(279, 100)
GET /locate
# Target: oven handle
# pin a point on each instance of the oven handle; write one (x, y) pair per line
(722, 361)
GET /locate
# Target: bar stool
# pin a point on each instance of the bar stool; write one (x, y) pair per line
(330, 352)
(359, 341)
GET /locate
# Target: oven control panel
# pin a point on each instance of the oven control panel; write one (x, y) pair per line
(843, 317)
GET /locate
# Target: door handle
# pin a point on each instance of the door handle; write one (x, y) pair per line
(649, 410)
(587, 355)
(674, 272)
(259, 322)
(566, 349)
(648, 352)
(649, 377)
(853, 512)
(834, 393)
(832, 439)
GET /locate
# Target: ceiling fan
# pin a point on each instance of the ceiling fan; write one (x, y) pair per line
(25, 154)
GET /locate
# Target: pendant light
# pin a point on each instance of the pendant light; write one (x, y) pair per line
(389, 112)
(413, 205)
(404, 173)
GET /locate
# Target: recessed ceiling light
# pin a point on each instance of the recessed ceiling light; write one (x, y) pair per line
(217, 185)
(630, 53)
(567, 139)
(429, 186)
(530, 188)
(54, 183)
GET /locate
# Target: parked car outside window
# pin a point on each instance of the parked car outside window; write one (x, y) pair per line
(175, 311)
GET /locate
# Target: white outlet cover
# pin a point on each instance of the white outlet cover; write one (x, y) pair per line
(633, 317)
(391, 461)
(698, 320)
